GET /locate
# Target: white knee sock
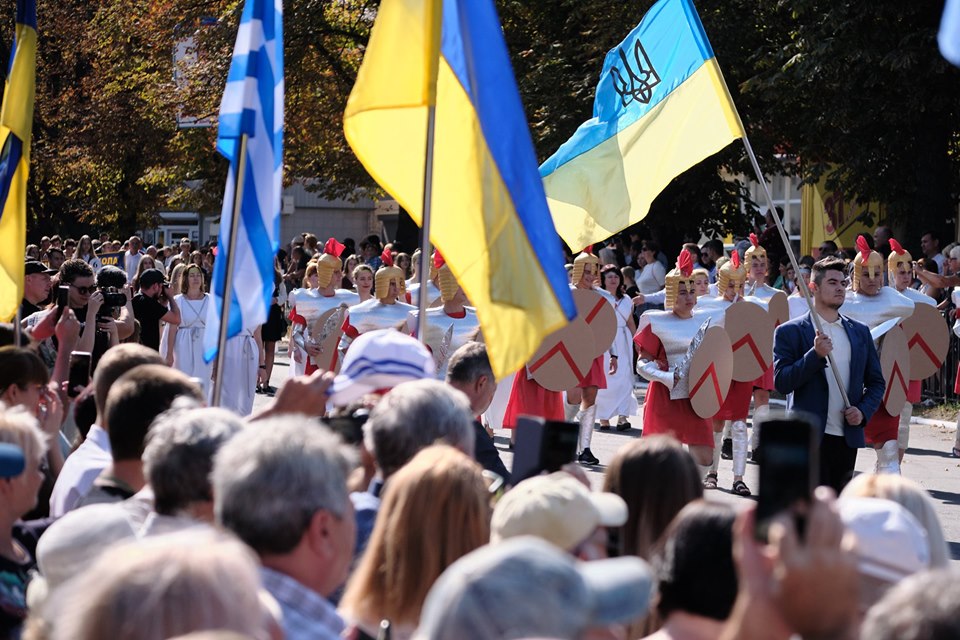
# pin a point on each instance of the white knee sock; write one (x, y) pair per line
(739, 431)
(903, 431)
(587, 418)
(887, 458)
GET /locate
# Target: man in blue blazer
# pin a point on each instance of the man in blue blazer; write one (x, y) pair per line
(801, 367)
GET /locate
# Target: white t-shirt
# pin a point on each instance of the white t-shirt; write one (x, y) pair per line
(841, 356)
(651, 278)
(130, 263)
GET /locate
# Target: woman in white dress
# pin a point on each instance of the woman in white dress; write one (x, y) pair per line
(617, 400)
(243, 363)
(187, 339)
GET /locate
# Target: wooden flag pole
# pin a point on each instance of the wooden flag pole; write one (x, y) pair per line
(423, 271)
(804, 289)
(228, 276)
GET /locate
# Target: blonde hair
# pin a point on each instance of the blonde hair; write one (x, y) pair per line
(162, 587)
(19, 427)
(442, 486)
(311, 269)
(912, 497)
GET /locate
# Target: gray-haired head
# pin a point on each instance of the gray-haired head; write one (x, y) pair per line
(414, 415)
(269, 481)
(468, 363)
(922, 607)
(179, 455)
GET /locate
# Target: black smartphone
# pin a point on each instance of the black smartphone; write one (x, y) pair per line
(79, 372)
(350, 428)
(63, 299)
(789, 468)
(543, 445)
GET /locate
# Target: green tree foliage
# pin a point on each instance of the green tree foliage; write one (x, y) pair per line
(857, 84)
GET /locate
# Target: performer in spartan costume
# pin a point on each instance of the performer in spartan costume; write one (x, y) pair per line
(412, 294)
(310, 303)
(900, 277)
(448, 327)
(873, 304)
(586, 269)
(662, 339)
(383, 311)
(731, 279)
(758, 267)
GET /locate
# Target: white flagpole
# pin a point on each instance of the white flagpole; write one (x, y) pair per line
(228, 276)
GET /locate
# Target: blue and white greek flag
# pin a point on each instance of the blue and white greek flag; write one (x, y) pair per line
(252, 105)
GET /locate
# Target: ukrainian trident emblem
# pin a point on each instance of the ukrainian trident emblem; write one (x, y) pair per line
(634, 82)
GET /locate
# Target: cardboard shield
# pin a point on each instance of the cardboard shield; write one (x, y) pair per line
(895, 365)
(750, 328)
(564, 357)
(779, 309)
(326, 332)
(594, 310)
(711, 372)
(928, 339)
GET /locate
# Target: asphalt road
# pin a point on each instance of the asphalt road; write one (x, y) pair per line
(928, 462)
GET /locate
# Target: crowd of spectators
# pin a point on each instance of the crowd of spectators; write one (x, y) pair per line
(129, 509)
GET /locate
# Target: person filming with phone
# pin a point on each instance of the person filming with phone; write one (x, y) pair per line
(801, 367)
(152, 304)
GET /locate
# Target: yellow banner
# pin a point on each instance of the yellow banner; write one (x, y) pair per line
(832, 215)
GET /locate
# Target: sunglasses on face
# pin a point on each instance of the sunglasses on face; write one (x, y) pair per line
(85, 290)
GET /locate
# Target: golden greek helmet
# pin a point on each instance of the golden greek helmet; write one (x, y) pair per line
(447, 281)
(898, 256)
(386, 274)
(866, 259)
(732, 271)
(329, 262)
(682, 274)
(586, 257)
(755, 251)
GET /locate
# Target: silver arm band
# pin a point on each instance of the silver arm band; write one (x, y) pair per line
(651, 371)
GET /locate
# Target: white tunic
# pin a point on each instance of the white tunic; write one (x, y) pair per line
(618, 399)
(239, 373)
(188, 347)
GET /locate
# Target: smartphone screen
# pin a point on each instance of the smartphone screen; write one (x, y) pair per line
(542, 445)
(789, 468)
(79, 372)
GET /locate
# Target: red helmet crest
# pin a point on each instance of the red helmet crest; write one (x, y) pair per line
(333, 247)
(863, 248)
(685, 263)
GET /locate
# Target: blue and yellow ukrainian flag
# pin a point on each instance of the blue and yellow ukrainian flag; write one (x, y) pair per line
(490, 218)
(16, 122)
(661, 107)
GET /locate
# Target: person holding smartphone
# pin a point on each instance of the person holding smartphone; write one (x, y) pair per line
(152, 304)
(801, 367)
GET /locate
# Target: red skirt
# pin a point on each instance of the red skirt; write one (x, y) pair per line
(527, 397)
(913, 392)
(956, 382)
(737, 404)
(765, 381)
(595, 376)
(882, 427)
(663, 415)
